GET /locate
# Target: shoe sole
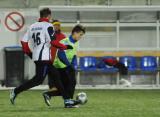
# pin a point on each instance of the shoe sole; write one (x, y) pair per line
(72, 106)
(46, 100)
(11, 97)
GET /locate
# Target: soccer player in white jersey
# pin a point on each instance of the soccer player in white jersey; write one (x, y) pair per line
(41, 35)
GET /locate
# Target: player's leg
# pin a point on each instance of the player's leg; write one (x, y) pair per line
(65, 80)
(68, 103)
(57, 81)
(60, 87)
(41, 71)
(50, 80)
(69, 83)
(53, 91)
(72, 82)
(68, 78)
(51, 84)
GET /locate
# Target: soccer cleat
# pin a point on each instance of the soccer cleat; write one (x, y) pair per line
(12, 97)
(71, 103)
(77, 102)
(47, 99)
(70, 106)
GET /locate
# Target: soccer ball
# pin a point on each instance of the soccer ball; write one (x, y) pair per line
(82, 97)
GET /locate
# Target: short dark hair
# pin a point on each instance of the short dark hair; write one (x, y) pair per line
(45, 12)
(78, 28)
(55, 21)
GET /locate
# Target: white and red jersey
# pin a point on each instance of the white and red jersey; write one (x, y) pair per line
(41, 36)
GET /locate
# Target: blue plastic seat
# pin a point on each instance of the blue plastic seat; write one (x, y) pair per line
(106, 68)
(129, 62)
(148, 63)
(88, 63)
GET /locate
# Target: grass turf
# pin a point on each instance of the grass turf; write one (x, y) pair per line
(101, 103)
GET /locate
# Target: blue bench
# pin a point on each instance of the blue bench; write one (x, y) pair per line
(129, 62)
(88, 63)
(148, 63)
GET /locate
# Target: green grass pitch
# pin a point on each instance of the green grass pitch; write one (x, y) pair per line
(101, 103)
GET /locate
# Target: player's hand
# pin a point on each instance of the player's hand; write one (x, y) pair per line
(69, 47)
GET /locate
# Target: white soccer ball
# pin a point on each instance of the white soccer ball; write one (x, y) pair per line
(82, 97)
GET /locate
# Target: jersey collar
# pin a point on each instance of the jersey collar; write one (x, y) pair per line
(43, 20)
(71, 39)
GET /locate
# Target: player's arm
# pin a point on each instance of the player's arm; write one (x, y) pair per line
(63, 58)
(74, 60)
(54, 42)
(25, 46)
